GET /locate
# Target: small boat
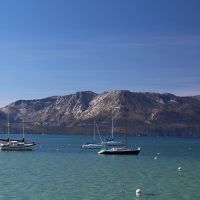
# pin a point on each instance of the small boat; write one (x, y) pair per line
(122, 150)
(112, 142)
(92, 145)
(16, 145)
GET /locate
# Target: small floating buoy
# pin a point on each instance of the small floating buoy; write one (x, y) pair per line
(155, 158)
(179, 168)
(158, 153)
(138, 192)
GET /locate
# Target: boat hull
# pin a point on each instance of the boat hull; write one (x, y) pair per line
(85, 146)
(120, 152)
(16, 148)
(27, 147)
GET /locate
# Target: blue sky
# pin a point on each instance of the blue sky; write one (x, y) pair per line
(58, 47)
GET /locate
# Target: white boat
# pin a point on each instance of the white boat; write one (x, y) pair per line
(93, 145)
(16, 145)
(112, 141)
(122, 150)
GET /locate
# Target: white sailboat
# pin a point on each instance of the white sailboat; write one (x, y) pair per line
(16, 145)
(122, 150)
(92, 145)
(112, 141)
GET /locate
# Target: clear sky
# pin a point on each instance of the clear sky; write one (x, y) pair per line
(58, 47)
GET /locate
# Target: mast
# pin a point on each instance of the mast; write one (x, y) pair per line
(8, 127)
(94, 130)
(23, 134)
(112, 128)
(125, 116)
(23, 130)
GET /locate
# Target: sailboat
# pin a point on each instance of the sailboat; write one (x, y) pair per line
(122, 150)
(92, 145)
(112, 142)
(16, 145)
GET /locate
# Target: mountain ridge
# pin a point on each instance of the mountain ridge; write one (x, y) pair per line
(148, 113)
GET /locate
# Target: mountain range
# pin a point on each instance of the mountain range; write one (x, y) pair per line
(147, 114)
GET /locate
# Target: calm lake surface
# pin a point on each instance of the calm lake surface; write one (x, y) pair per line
(59, 169)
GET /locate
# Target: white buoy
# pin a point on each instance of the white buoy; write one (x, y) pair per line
(158, 153)
(155, 158)
(179, 168)
(138, 192)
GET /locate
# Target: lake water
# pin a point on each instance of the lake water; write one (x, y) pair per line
(59, 169)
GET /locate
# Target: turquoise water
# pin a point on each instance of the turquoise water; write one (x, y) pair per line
(58, 169)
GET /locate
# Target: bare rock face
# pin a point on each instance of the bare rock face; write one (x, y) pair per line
(147, 113)
(106, 104)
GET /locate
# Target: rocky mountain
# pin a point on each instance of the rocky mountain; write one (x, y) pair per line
(196, 97)
(147, 113)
